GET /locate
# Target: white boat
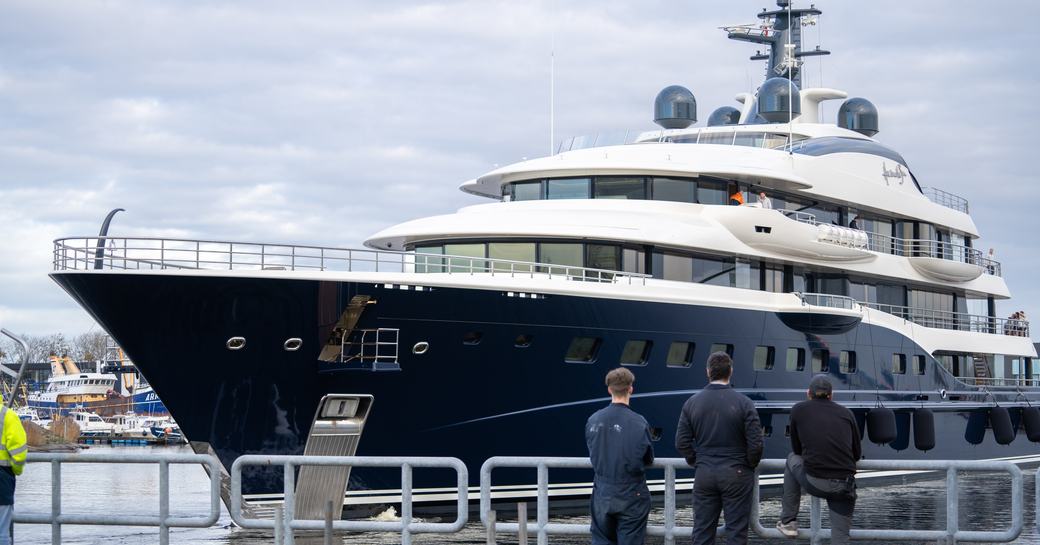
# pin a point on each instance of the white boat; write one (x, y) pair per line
(91, 423)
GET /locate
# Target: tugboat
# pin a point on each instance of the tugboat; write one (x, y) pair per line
(489, 331)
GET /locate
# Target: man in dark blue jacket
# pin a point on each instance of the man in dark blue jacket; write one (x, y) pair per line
(619, 446)
(720, 435)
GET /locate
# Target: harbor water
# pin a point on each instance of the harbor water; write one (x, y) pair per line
(133, 489)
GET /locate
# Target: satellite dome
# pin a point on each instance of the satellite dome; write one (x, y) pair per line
(675, 107)
(860, 115)
(725, 115)
(779, 100)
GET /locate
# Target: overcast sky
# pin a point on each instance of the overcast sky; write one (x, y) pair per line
(323, 122)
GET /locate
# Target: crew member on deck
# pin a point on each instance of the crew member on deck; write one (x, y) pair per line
(619, 446)
(736, 198)
(12, 460)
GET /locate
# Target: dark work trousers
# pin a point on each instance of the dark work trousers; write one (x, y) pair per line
(619, 514)
(839, 493)
(722, 487)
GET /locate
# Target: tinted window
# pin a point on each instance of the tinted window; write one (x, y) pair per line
(673, 267)
(620, 188)
(523, 341)
(574, 188)
(680, 354)
(472, 338)
(425, 262)
(727, 348)
(635, 353)
(919, 365)
(666, 189)
(601, 256)
(714, 271)
(583, 350)
(764, 358)
(513, 251)
(847, 361)
(461, 264)
(899, 364)
(527, 191)
(709, 192)
(795, 359)
(820, 361)
(560, 254)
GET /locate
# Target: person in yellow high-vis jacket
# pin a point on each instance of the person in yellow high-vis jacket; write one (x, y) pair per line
(12, 462)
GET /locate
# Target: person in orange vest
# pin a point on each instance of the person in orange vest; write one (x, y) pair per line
(13, 451)
(736, 198)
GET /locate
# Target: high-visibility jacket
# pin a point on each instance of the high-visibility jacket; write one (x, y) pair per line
(12, 435)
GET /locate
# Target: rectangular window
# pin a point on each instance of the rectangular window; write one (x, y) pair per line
(680, 354)
(465, 263)
(603, 256)
(796, 359)
(527, 191)
(899, 364)
(820, 360)
(764, 358)
(426, 260)
(667, 189)
(568, 255)
(673, 267)
(919, 365)
(847, 361)
(633, 260)
(715, 271)
(583, 350)
(711, 192)
(570, 188)
(513, 251)
(727, 348)
(636, 353)
(620, 188)
(723, 138)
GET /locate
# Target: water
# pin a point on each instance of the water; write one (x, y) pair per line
(133, 489)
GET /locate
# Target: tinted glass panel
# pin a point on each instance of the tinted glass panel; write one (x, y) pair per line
(764, 358)
(673, 267)
(523, 341)
(620, 188)
(680, 354)
(513, 251)
(583, 350)
(472, 338)
(919, 365)
(899, 364)
(561, 254)
(716, 138)
(459, 264)
(633, 261)
(795, 359)
(574, 188)
(602, 256)
(714, 271)
(666, 189)
(426, 263)
(527, 191)
(635, 353)
(709, 192)
(847, 361)
(727, 348)
(820, 361)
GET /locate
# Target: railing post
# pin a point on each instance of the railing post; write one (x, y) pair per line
(164, 502)
(56, 501)
(669, 505)
(521, 521)
(543, 503)
(952, 504)
(328, 523)
(490, 537)
(406, 496)
(279, 531)
(815, 520)
(290, 502)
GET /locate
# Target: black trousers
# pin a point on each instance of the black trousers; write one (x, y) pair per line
(619, 514)
(718, 489)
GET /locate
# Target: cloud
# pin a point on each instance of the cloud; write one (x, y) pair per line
(321, 122)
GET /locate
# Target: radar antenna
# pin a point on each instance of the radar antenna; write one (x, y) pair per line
(781, 30)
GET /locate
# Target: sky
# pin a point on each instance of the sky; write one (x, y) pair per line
(322, 122)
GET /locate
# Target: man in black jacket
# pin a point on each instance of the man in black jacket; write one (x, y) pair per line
(825, 447)
(619, 446)
(720, 435)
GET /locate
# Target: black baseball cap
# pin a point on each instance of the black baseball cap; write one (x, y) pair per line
(820, 386)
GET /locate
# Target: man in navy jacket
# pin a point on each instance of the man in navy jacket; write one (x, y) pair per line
(619, 446)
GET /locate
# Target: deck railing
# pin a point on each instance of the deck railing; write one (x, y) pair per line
(827, 300)
(945, 198)
(82, 253)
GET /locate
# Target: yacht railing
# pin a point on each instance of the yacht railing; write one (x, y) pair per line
(959, 321)
(1002, 382)
(945, 198)
(827, 300)
(117, 253)
(799, 216)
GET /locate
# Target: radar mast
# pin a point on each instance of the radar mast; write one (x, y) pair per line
(781, 30)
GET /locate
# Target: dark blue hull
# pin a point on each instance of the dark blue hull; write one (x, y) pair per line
(474, 401)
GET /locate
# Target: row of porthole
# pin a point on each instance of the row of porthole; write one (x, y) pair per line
(292, 344)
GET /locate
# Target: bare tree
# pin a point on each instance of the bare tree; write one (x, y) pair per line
(90, 346)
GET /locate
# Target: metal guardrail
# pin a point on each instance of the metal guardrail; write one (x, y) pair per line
(87, 253)
(164, 521)
(945, 198)
(543, 528)
(827, 300)
(406, 526)
(959, 321)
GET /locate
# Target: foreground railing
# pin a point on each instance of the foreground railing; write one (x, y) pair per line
(162, 253)
(827, 300)
(953, 533)
(164, 521)
(284, 524)
(959, 321)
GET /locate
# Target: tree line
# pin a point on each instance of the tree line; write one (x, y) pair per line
(90, 346)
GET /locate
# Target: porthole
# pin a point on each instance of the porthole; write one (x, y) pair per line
(292, 344)
(420, 348)
(472, 338)
(236, 343)
(523, 341)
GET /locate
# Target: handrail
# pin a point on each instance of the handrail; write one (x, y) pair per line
(148, 253)
(953, 533)
(826, 300)
(959, 321)
(945, 198)
(56, 518)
